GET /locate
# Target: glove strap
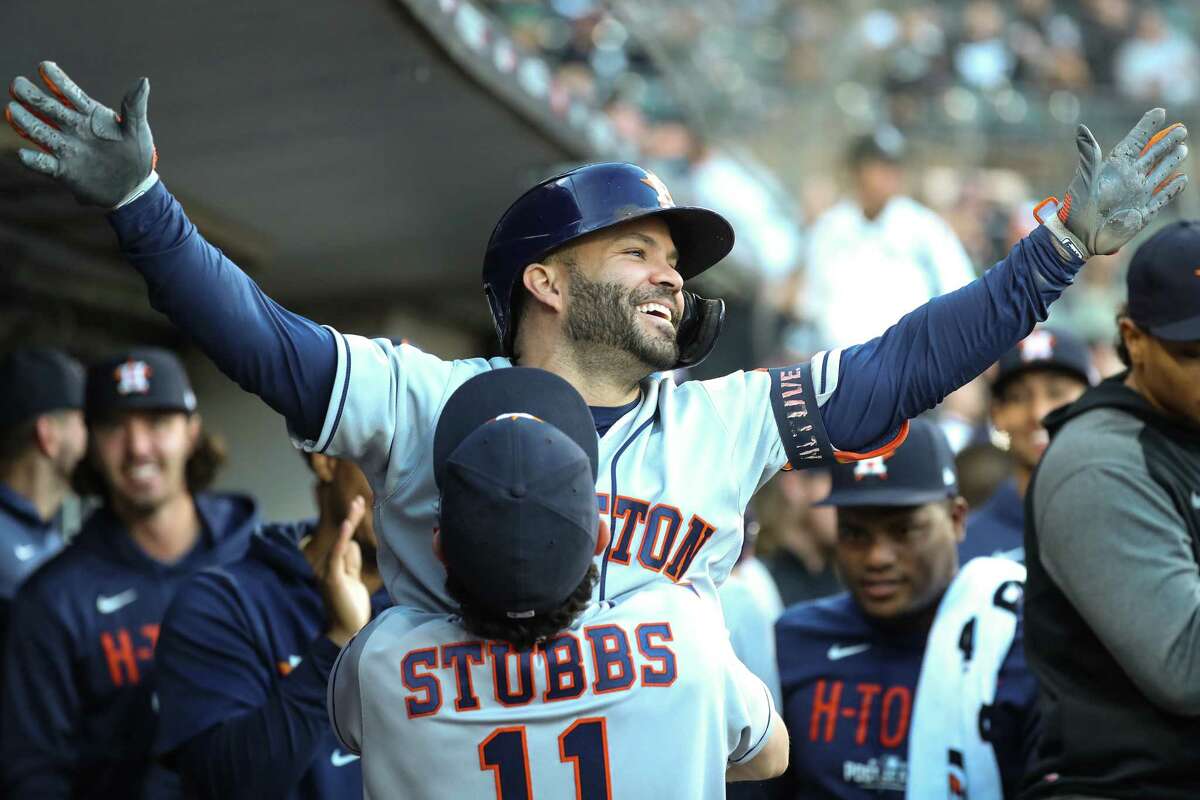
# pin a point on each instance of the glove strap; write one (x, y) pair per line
(1068, 245)
(139, 190)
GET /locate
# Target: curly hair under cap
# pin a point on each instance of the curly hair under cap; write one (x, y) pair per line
(522, 634)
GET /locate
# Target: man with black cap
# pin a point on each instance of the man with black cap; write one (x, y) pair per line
(1048, 369)
(532, 689)
(1112, 544)
(42, 438)
(914, 681)
(79, 713)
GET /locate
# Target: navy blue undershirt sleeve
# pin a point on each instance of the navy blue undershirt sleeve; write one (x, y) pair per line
(228, 723)
(287, 360)
(264, 753)
(942, 345)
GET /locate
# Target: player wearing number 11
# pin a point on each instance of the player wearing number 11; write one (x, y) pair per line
(533, 689)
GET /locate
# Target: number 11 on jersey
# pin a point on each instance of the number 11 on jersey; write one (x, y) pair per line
(584, 744)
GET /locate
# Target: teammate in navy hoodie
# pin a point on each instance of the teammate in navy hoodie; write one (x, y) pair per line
(1048, 369)
(849, 665)
(79, 713)
(245, 655)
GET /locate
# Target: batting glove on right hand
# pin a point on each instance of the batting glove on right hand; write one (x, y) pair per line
(102, 157)
(1111, 199)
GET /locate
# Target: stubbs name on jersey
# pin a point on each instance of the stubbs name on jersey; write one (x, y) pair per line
(433, 675)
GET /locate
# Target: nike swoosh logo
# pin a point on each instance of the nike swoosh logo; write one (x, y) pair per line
(107, 605)
(24, 552)
(837, 652)
(340, 759)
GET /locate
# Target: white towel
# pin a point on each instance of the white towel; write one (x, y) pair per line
(970, 638)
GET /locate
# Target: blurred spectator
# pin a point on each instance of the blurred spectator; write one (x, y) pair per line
(797, 538)
(768, 236)
(1105, 24)
(983, 59)
(1048, 369)
(1159, 64)
(1048, 46)
(42, 438)
(245, 655)
(918, 60)
(1113, 596)
(915, 638)
(1089, 307)
(878, 254)
(79, 714)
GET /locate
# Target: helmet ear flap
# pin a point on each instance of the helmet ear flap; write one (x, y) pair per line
(501, 317)
(698, 328)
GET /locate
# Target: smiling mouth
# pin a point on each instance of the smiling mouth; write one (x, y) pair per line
(656, 310)
(880, 590)
(140, 474)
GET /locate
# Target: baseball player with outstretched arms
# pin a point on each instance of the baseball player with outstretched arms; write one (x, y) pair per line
(530, 688)
(585, 277)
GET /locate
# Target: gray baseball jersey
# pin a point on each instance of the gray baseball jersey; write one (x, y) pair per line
(675, 473)
(641, 698)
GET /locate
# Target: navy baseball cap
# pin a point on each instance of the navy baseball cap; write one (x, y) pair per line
(145, 378)
(515, 455)
(919, 471)
(1164, 283)
(37, 381)
(1046, 349)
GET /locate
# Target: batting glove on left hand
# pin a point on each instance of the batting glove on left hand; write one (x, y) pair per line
(1110, 199)
(102, 157)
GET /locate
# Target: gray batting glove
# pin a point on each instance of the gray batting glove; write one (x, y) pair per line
(1111, 199)
(102, 157)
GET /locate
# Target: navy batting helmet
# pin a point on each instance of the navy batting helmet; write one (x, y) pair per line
(592, 198)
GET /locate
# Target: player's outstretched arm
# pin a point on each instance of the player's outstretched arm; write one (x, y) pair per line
(108, 159)
(947, 342)
(771, 761)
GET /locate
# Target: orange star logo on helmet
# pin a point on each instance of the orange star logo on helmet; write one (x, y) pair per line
(664, 195)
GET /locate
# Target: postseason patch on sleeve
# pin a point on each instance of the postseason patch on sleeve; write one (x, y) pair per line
(798, 417)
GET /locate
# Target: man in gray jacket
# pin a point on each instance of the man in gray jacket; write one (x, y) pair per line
(1112, 540)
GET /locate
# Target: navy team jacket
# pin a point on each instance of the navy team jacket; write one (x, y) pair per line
(242, 668)
(79, 714)
(848, 692)
(997, 528)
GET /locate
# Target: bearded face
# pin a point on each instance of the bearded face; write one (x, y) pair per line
(614, 317)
